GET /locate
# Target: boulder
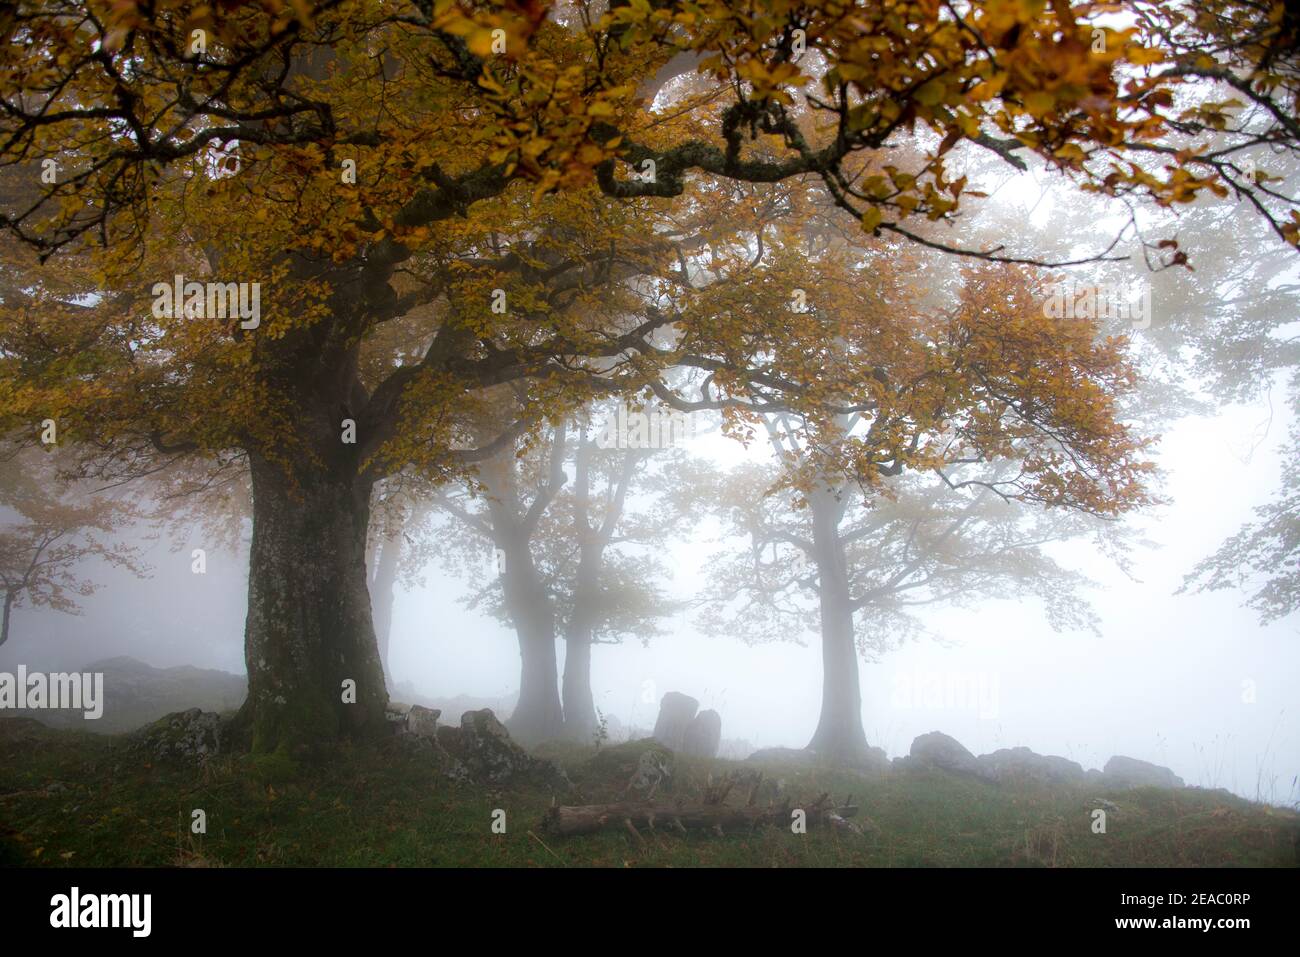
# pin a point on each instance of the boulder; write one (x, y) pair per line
(654, 769)
(676, 712)
(703, 735)
(395, 714)
(945, 753)
(1124, 772)
(182, 736)
(486, 754)
(628, 769)
(1022, 764)
(423, 721)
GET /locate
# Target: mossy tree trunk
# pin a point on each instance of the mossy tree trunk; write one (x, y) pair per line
(314, 671)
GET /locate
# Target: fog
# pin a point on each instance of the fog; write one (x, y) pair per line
(1190, 681)
(1193, 681)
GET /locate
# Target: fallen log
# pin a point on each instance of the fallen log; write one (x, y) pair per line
(631, 816)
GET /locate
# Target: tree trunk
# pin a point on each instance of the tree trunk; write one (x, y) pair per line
(383, 594)
(538, 715)
(313, 663)
(579, 706)
(839, 733)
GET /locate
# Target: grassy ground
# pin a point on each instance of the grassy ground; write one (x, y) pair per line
(69, 798)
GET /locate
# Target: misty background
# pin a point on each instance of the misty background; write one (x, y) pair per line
(1191, 681)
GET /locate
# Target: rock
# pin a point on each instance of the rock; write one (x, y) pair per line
(405, 743)
(1124, 772)
(1023, 764)
(482, 745)
(938, 750)
(676, 711)
(654, 769)
(454, 707)
(423, 721)
(703, 735)
(415, 730)
(185, 735)
(618, 770)
(484, 724)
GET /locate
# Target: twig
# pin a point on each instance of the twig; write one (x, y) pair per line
(548, 850)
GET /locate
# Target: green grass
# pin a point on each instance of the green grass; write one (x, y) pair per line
(68, 798)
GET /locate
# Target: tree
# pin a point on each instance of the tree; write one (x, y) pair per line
(1221, 331)
(399, 546)
(604, 593)
(986, 392)
(1265, 553)
(601, 540)
(563, 562)
(856, 570)
(1233, 324)
(344, 165)
(513, 521)
(56, 529)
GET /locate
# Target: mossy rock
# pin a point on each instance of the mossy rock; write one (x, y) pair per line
(483, 748)
(191, 735)
(611, 770)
